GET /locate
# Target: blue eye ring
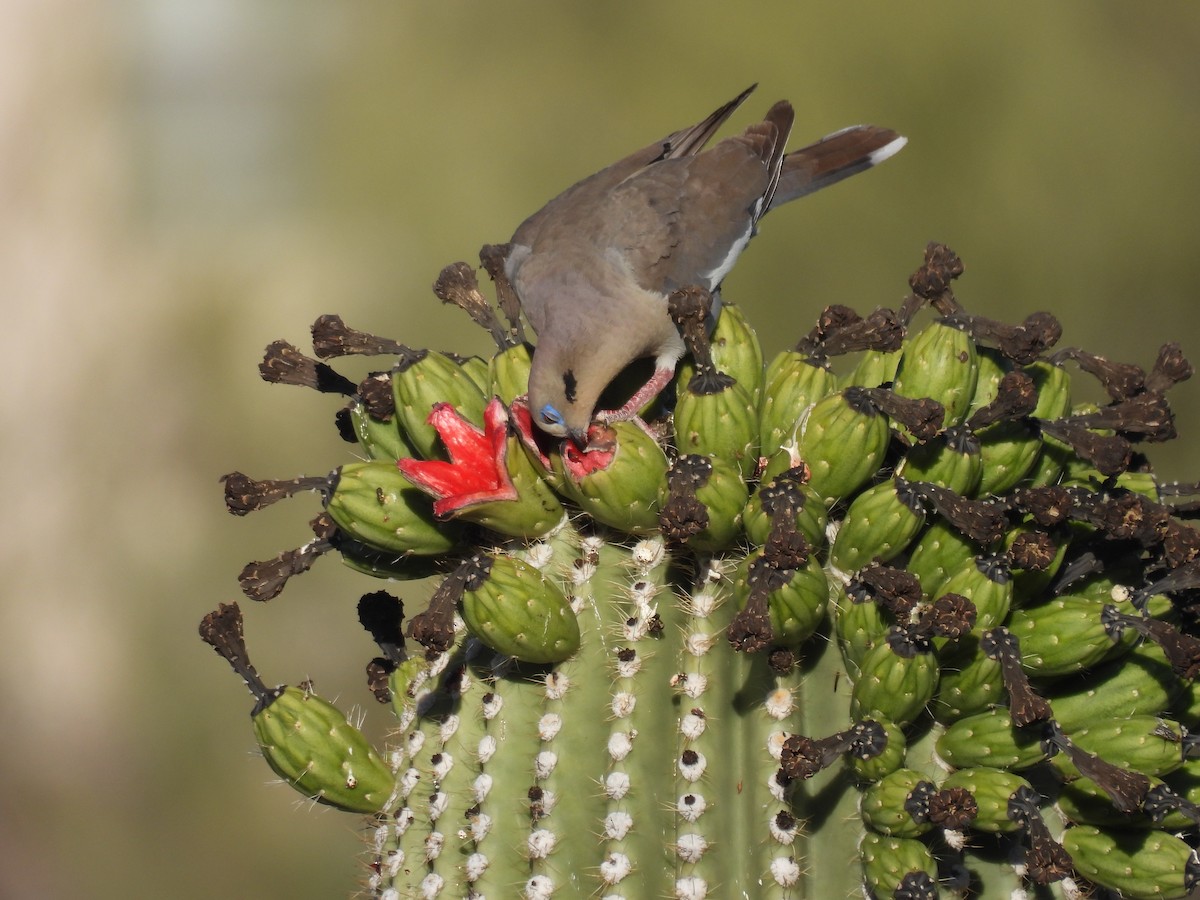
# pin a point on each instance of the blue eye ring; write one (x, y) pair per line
(551, 415)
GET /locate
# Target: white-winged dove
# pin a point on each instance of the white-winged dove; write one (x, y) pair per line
(594, 267)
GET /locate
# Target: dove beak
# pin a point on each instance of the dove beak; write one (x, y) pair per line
(579, 438)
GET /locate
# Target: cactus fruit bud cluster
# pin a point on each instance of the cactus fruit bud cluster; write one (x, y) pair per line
(892, 613)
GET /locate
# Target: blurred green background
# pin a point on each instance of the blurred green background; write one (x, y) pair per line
(185, 181)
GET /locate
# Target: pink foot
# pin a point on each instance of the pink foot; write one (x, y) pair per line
(647, 392)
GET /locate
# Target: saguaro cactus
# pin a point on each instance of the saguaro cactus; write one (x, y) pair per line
(910, 623)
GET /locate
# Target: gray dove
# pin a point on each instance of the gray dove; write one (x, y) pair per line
(594, 267)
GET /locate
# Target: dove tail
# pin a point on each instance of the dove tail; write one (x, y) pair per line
(834, 157)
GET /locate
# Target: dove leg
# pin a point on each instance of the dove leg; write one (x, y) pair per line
(647, 392)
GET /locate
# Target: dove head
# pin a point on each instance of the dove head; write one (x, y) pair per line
(563, 392)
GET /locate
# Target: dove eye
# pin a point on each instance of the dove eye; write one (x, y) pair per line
(550, 415)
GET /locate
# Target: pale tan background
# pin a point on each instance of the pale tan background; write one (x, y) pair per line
(181, 181)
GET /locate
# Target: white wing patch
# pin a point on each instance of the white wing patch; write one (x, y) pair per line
(714, 276)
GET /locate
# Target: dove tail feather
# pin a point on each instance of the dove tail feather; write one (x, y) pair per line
(834, 157)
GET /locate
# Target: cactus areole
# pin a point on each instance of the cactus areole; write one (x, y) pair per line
(913, 623)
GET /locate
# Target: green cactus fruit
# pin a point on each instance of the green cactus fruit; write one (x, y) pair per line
(620, 483)
(477, 369)
(404, 681)
(1140, 865)
(721, 425)
(874, 368)
(841, 438)
(859, 623)
(428, 378)
(1085, 802)
(897, 867)
(309, 744)
(792, 384)
(891, 805)
(1061, 636)
(990, 739)
(987, 582)
(993, 366)
(873, 768)
(704, 508)
(786, 491)
(951, 460)
(375, 504)
(386, 564)
(1151, 745)
(972, 685)
(380, 438)
(1011, 449)
(1140, 683)
(797, 599)
(735, 351)
(939, 552)
(992, 789)
(879, 525)
(508, 372)
(939, 362)
(899, 677)
(517, 611)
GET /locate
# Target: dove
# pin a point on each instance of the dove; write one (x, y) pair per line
(593, 268)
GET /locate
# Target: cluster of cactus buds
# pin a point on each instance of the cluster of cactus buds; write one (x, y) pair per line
(892, 612)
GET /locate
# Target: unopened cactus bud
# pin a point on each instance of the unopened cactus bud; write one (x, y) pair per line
(973, 685)
(1083, 801)
(619, 481)
(874, 368)
(1061, 636)
(381, 438)
(940, 551)
(475, 368)
(374, 503)
(517, 611)
(842, 439)
(859, 623)
(987, 581)
(1151, 745)
(1010, 449)
(1141, 865)
(425, 379)
(796, 597)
